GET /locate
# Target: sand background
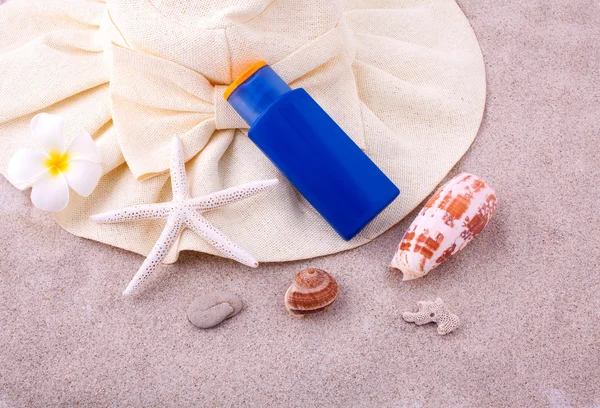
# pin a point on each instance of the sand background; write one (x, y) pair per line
(527, 290)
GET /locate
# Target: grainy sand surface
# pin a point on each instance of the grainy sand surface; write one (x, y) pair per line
(527, 290)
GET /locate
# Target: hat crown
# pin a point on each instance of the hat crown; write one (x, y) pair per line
(210, 14)
(221, 38)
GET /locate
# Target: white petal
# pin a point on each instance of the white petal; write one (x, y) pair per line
(50, 192)
(83, 147)
(48, 131)
(26, 165)
(83, 176)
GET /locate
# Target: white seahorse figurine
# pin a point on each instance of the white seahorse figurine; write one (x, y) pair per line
(436, 312)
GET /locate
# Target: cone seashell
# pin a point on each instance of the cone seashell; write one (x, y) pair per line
(312, 290)
(455, 214)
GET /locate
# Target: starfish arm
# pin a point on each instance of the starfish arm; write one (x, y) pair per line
(134, 213)
(231, 195)
(161, 248)
(179, 182)
(216, 238)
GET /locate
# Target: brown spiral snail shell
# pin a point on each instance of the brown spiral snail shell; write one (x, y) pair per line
(312, 291)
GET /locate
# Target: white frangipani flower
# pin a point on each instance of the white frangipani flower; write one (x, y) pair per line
(51, 172)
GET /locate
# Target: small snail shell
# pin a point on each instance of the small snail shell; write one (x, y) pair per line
(312, 290)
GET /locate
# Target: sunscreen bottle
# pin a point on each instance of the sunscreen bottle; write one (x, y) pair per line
(334, 175)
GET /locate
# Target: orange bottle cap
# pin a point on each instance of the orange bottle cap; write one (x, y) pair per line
(242, 78)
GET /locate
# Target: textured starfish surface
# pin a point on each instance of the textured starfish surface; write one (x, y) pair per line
(185, 212)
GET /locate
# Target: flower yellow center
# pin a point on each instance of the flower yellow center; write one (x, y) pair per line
(57, 163)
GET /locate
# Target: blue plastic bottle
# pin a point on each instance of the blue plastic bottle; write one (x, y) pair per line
(311, 150)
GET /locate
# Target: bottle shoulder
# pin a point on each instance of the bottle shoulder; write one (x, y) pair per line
(283, 104)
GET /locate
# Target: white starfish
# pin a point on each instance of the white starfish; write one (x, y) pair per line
(185, 212)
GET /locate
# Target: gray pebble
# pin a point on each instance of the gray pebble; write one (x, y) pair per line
(212, 308)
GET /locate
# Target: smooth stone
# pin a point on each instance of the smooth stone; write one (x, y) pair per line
(212, 308)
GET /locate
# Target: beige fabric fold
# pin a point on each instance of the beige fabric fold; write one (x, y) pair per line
(405, 79)
(155, 98)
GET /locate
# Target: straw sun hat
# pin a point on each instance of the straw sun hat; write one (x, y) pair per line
(404, 78)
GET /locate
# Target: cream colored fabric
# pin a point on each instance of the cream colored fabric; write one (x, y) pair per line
(404, 78)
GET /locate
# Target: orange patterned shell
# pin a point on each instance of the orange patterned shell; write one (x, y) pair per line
(311, 291)
(452, 217)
